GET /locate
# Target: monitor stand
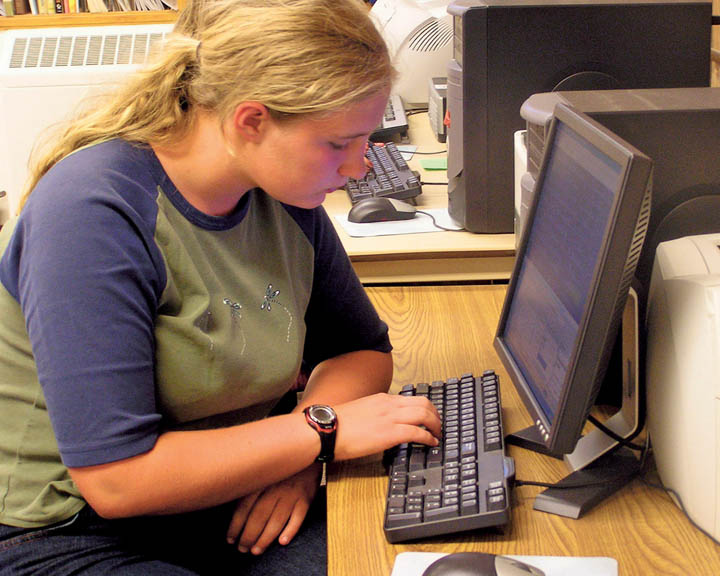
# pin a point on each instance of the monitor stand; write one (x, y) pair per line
(599, 465)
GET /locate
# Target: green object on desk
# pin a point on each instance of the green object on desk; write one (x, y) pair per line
(434, 163)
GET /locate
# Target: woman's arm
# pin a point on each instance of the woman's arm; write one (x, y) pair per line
(278, 511)
(189, 470)
(347, 377)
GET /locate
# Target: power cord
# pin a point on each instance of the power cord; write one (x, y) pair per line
(619, 439)
(438, 225)
(412, 111)
(678, 500)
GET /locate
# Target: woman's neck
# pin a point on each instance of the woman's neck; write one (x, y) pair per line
(202, 168)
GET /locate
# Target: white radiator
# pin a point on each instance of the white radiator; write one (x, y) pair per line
(46, 73)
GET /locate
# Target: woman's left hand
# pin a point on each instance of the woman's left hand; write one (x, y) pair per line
(276, 512)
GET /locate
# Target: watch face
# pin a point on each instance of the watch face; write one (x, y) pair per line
(323, 415)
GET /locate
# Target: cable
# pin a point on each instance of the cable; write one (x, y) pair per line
(568, 485)
(676, 498)
(426, 153)
(433, 183)
(438, 225)
(415, 111)
(586, 483)
(619, 439)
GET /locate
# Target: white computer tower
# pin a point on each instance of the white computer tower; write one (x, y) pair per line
(683, 373)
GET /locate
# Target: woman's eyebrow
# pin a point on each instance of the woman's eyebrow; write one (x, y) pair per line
(352, 136)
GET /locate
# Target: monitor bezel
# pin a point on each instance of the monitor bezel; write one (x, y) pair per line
(598, 329)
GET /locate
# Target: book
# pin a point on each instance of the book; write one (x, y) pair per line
(21, 7)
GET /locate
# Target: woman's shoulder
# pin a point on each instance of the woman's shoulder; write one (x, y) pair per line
(113, 174)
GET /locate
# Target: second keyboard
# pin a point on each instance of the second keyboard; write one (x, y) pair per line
(390, 176)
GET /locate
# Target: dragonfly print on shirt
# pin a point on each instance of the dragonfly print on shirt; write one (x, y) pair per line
(235, 318)
(269, 300)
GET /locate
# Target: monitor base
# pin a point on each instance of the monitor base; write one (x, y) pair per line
(595, 483)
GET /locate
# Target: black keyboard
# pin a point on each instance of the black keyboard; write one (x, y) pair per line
(390, 176)
(462, 484)
(394, 121)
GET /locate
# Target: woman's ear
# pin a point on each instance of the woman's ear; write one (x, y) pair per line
(250, 120)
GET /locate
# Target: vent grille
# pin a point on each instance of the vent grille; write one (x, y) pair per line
(535, 147)
(84, 50)
(433, 36)
(641, 228)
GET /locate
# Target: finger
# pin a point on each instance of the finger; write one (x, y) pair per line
(419, 412)
(293, 525)
(278, 523)
(256, 523)
(419, 435)
(242, 511)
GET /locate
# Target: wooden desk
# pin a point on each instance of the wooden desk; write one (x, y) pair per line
(431, 256)
(444, 331)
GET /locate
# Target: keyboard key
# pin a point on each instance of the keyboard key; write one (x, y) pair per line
(403, 519)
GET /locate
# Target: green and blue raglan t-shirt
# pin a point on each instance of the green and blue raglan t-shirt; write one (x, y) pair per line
(125, 312)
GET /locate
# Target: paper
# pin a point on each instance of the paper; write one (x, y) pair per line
(415, 563)
(407, 151)
(434, 163)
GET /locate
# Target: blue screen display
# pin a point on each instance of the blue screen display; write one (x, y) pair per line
(555, 279)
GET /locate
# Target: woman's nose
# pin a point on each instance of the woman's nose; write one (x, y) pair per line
(355, 164)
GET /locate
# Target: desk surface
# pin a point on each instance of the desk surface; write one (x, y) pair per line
(430, 256)
(441, 331)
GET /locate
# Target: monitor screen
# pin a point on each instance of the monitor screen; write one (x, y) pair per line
(572, 275)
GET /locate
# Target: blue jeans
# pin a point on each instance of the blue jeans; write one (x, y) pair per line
(183, 544)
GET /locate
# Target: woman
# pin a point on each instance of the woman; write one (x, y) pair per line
(168, 276)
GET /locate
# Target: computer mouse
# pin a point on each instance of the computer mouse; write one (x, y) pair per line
(480, 564)
(380, 209)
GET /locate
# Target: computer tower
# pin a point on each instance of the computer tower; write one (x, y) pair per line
(506, 50)
(683, 397)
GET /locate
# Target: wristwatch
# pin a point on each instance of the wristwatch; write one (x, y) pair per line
(323, 420)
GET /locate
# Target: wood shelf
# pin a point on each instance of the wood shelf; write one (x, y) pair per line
(87, 19)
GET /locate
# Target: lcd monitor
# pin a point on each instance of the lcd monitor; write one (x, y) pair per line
(570, 285)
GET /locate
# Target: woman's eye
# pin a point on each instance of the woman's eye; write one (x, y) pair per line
(336, 146)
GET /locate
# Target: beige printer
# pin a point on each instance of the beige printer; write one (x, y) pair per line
(683, 373)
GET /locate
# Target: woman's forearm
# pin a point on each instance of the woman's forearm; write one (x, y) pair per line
(348, 377)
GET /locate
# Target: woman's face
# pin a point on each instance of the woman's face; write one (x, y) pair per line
(301, 161)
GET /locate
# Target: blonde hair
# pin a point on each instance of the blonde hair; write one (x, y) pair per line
(296, 57)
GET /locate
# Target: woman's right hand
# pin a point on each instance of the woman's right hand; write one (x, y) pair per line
(375, 423)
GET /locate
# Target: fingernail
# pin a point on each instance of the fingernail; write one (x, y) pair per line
(242, 549)
(257, 550)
